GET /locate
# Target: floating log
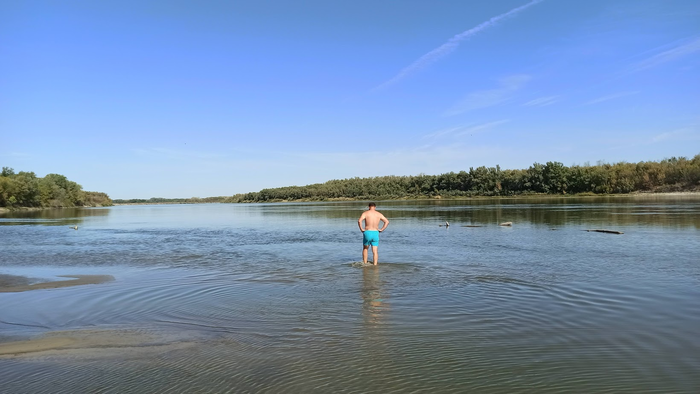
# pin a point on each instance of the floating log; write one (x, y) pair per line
(506, 224)
(606, 231)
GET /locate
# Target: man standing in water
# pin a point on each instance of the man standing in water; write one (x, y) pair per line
(370, 234)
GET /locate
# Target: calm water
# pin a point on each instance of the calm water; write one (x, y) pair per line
(274, 299)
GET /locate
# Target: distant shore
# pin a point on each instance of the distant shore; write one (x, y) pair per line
(411, 198)
(415, 198)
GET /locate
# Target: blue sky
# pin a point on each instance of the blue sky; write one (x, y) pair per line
(144, 99)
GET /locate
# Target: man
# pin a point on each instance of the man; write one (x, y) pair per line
(370, 233)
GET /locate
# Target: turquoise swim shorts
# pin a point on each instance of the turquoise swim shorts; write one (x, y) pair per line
(370, 237)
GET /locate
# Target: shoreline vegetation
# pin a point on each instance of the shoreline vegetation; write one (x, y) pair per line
(24, 190)
(674, 175)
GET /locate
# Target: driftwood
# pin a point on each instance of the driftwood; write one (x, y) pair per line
(606, 231)
(506, 224)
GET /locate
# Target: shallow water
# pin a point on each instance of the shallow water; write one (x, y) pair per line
(275, 301)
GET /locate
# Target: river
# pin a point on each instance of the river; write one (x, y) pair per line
(271, 298)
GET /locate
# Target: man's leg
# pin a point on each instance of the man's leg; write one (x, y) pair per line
(364, 254)
(375, 256)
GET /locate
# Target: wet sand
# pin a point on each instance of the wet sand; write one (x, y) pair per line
(13, 283)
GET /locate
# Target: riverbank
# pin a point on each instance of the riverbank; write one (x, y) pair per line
(407, 198)
(518, 196)
(420, 198)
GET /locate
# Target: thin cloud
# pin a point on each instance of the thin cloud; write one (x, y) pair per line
(16, 155)
(442, 132)
(463, 130)
(429, 159)
(490, 97)
(175, 154)
(452, 44)
(542, 101)
(685, 134)
(481, 127)
(674, 53)
(610, 97)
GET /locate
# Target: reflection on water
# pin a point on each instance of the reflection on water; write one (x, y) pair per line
(643, 210)
(553, 211)
(265, 298)
(51, 217)
(374, 305)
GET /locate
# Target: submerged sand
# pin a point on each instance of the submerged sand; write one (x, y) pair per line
(80, 343)
(13, 283)
(90, 343)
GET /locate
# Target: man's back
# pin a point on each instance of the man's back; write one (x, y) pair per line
(372, 219)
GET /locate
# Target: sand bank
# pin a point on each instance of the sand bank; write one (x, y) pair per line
(89, 343)
(13, 284)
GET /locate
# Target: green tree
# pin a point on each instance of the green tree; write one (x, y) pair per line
(7, 172)
(555, 177)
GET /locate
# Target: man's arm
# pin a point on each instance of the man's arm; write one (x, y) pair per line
(386, 223)
(359, 222)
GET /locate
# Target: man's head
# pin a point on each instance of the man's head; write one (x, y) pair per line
(372, 205)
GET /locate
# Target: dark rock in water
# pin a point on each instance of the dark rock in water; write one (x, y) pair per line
(606, 231)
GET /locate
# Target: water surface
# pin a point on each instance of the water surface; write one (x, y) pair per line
(275, 301)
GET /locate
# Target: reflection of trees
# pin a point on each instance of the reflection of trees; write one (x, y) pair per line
(52, 217)
(651, 210)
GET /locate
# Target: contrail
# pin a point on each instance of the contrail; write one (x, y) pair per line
(452, 44)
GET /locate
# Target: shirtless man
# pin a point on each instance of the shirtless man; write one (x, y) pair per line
(370, 233)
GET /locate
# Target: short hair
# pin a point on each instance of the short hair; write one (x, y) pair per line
(372, 205)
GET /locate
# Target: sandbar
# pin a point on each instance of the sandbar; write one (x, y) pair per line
(13, 284)
(90, 343)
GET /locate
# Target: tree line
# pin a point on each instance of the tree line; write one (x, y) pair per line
(25, 189)
(668, 175)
